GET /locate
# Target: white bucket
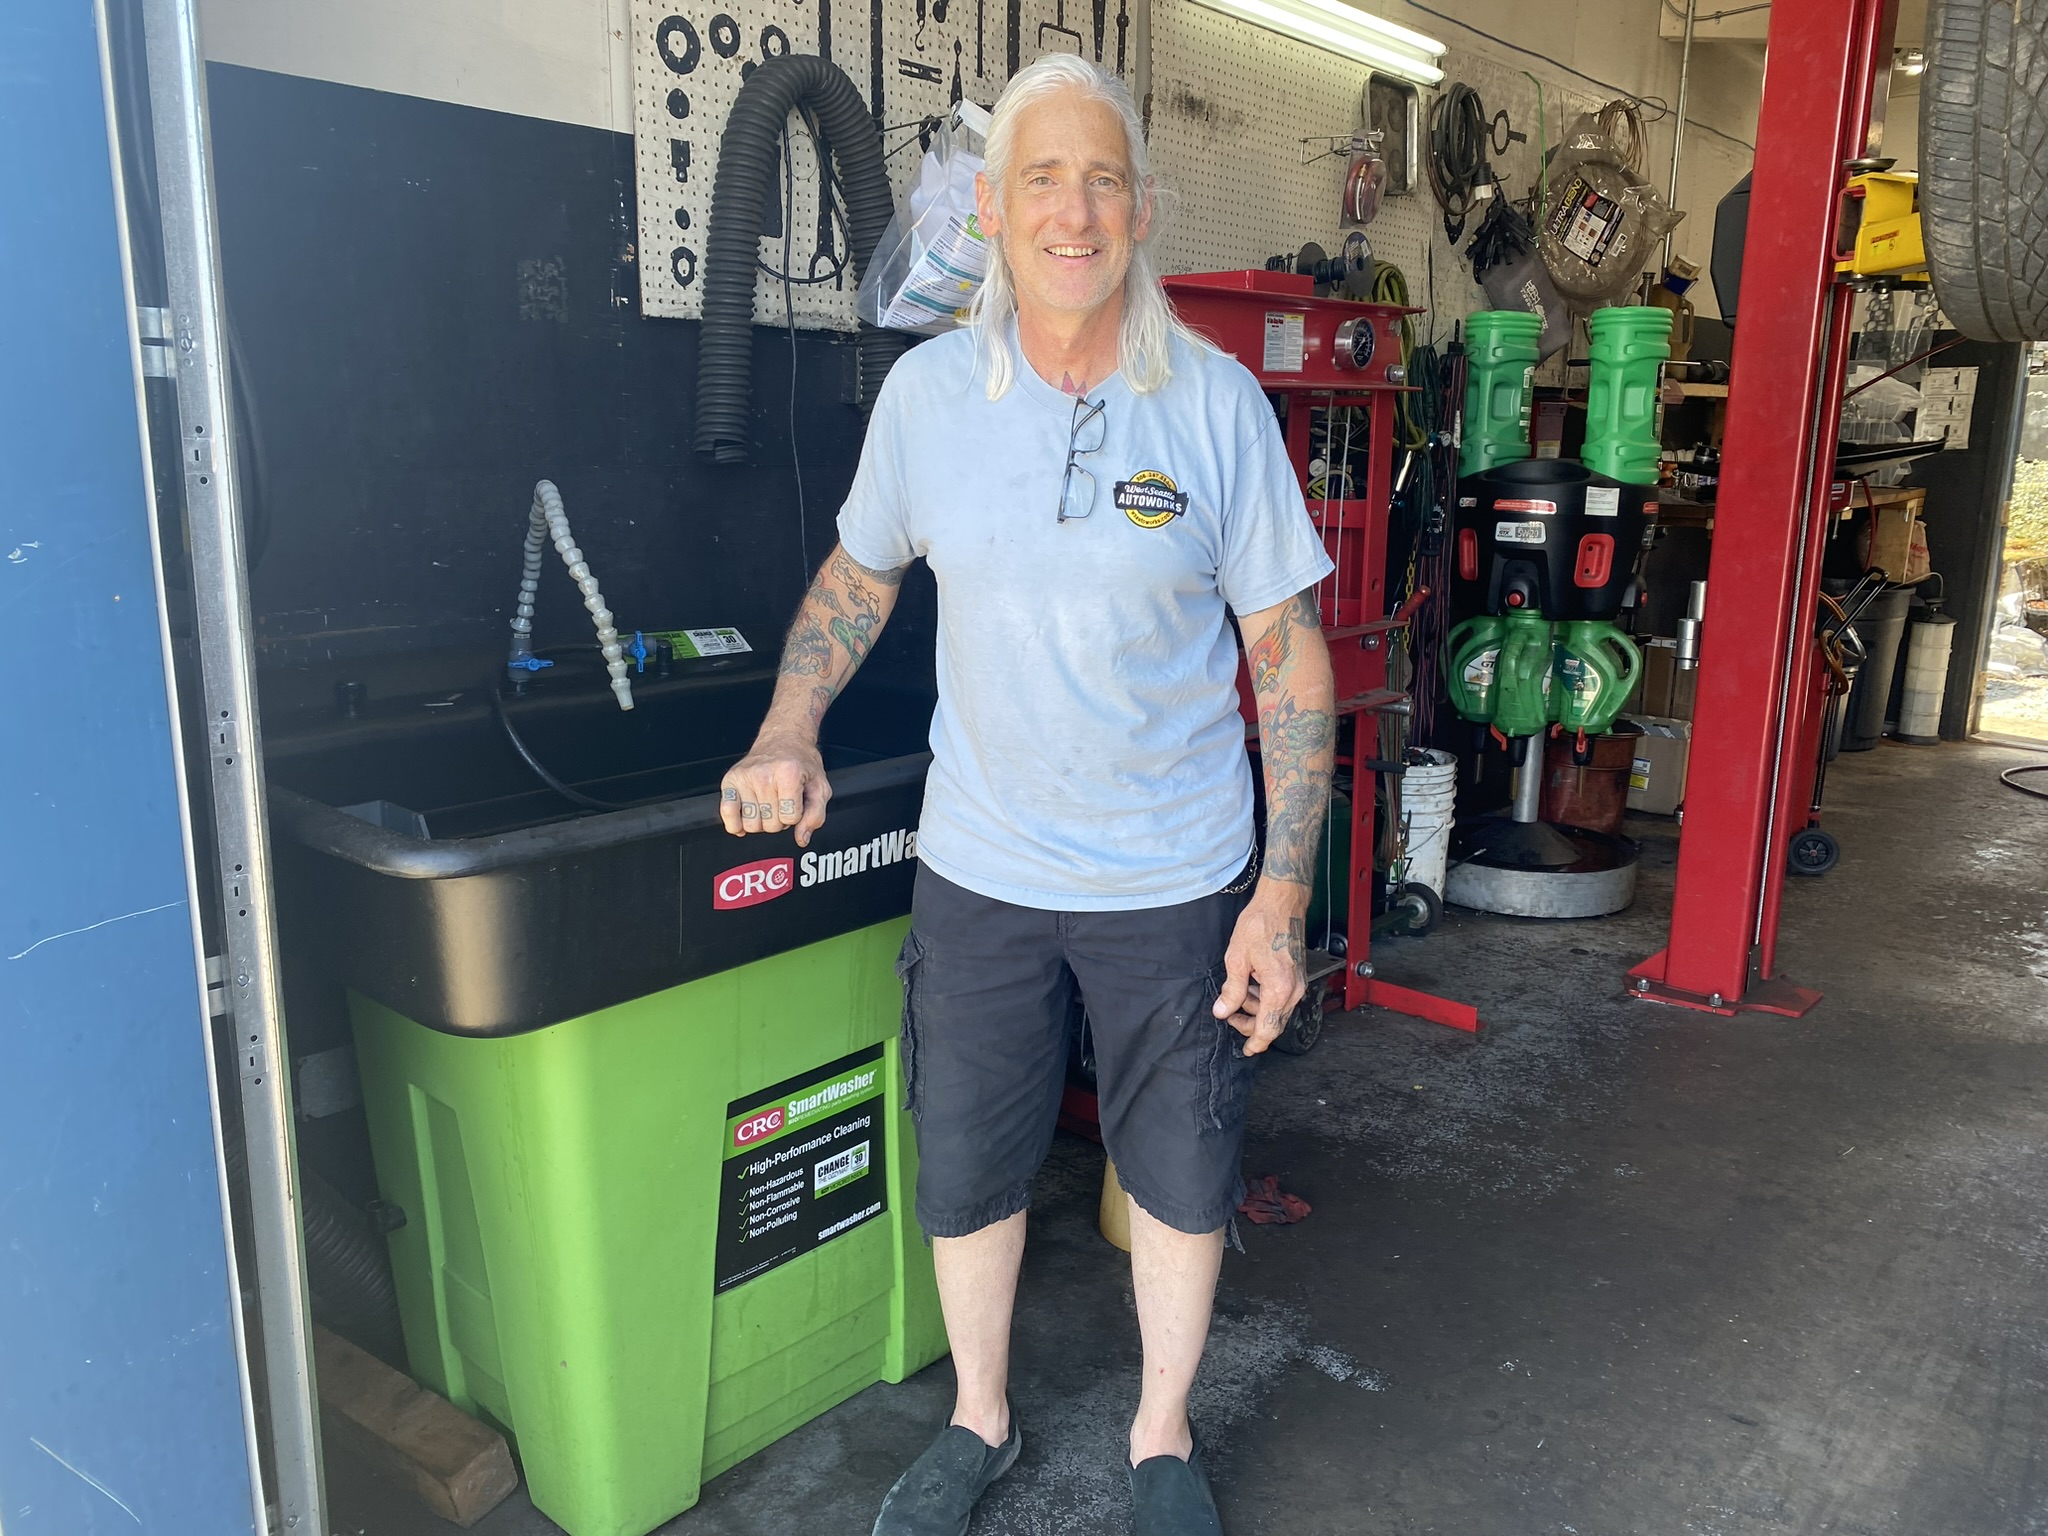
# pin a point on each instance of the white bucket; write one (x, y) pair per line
(1428, 792)
(1926, 680)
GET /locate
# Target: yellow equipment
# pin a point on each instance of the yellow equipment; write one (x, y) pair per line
(1878, 235)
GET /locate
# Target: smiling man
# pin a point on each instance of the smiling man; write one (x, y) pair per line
(1097, 492)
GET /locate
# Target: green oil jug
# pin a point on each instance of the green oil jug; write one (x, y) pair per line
(1522, 675)
(1500, 365)
(1630, 348)
(1597, 668)
(1474, 648)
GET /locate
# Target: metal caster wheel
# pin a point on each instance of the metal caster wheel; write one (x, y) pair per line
(1813, 852)
(1414, 910)
(1305, 1028)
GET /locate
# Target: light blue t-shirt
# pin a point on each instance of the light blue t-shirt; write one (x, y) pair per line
(1087, 751)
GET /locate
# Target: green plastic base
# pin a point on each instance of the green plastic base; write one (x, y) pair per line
(562, 1193)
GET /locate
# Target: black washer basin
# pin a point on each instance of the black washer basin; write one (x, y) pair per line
(434, 872)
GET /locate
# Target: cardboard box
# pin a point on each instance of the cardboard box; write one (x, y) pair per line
(1656, 782)
(1891, 536)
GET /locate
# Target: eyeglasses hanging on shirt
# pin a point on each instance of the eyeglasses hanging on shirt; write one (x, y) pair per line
(1084, 436)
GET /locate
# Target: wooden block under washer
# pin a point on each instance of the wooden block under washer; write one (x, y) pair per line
(459, 1468)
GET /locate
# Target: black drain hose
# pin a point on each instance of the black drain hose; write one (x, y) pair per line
(747, 167)
(348, 1266)
(348, 1270)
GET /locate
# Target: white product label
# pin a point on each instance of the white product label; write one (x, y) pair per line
(1286, 344)
(1639, 774)
(1603, 501)
(1948, 397)
(1518, 533)
(831, 1172)
(1585, 222)
(1479, 670)
(708, 642)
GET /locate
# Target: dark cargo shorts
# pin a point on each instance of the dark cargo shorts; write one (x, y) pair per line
(988, 990)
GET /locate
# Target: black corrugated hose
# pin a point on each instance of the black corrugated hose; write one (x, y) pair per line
(747, 167)
(348, 1270)
(348, 1267)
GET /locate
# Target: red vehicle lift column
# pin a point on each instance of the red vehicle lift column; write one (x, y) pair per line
(1749, 774)
(1327, 354)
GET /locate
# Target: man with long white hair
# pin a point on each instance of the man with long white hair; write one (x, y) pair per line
(1097, 492)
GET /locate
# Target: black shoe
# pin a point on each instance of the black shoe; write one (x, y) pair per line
(936, 1496)
(1170, 1497)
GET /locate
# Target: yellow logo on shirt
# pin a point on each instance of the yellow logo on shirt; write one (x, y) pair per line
(1150, 499)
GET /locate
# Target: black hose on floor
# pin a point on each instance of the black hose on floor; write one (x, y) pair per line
(747, 162)
(2010, 780)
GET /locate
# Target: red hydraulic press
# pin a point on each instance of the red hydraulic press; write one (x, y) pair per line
(1332, 355)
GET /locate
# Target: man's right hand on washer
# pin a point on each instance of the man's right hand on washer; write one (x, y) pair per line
(781, 781)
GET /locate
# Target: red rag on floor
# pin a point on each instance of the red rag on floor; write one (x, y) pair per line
(1266, 1204)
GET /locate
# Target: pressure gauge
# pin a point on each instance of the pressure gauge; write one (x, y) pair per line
(1355, 340)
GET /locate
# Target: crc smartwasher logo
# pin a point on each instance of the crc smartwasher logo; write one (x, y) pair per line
(751, 884)
(748, 885)
(804, 1106)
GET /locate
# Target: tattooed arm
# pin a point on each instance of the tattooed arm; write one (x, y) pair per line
(1290, 670)
(781, 782)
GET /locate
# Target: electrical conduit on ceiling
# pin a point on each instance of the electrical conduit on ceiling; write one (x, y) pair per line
(747, 162)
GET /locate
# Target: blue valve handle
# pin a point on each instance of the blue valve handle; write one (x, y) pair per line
(526, 664)
(639, 651)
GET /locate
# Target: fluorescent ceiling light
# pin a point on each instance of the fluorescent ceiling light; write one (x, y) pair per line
(1341, 28)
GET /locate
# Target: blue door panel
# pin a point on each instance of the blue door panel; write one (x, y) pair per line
(120, 1392)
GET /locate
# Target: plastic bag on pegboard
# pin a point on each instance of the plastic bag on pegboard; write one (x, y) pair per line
(1601, 219)
(1504, 261)
(931, 260)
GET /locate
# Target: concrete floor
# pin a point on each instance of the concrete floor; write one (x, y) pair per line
(1610, 1268)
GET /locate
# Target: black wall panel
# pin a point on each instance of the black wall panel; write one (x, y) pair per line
(437, 306)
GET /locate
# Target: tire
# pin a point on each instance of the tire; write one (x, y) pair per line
(1812, 852)
(1305, 1028)
(1984, 165)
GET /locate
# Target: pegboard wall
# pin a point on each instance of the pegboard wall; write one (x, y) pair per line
(914, 57)
(1229, 105)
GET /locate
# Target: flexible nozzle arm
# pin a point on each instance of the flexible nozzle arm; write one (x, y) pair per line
(549, 523)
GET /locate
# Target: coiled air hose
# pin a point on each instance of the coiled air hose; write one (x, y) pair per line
(1390, 286)
(747, 168)
(1459, 137)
